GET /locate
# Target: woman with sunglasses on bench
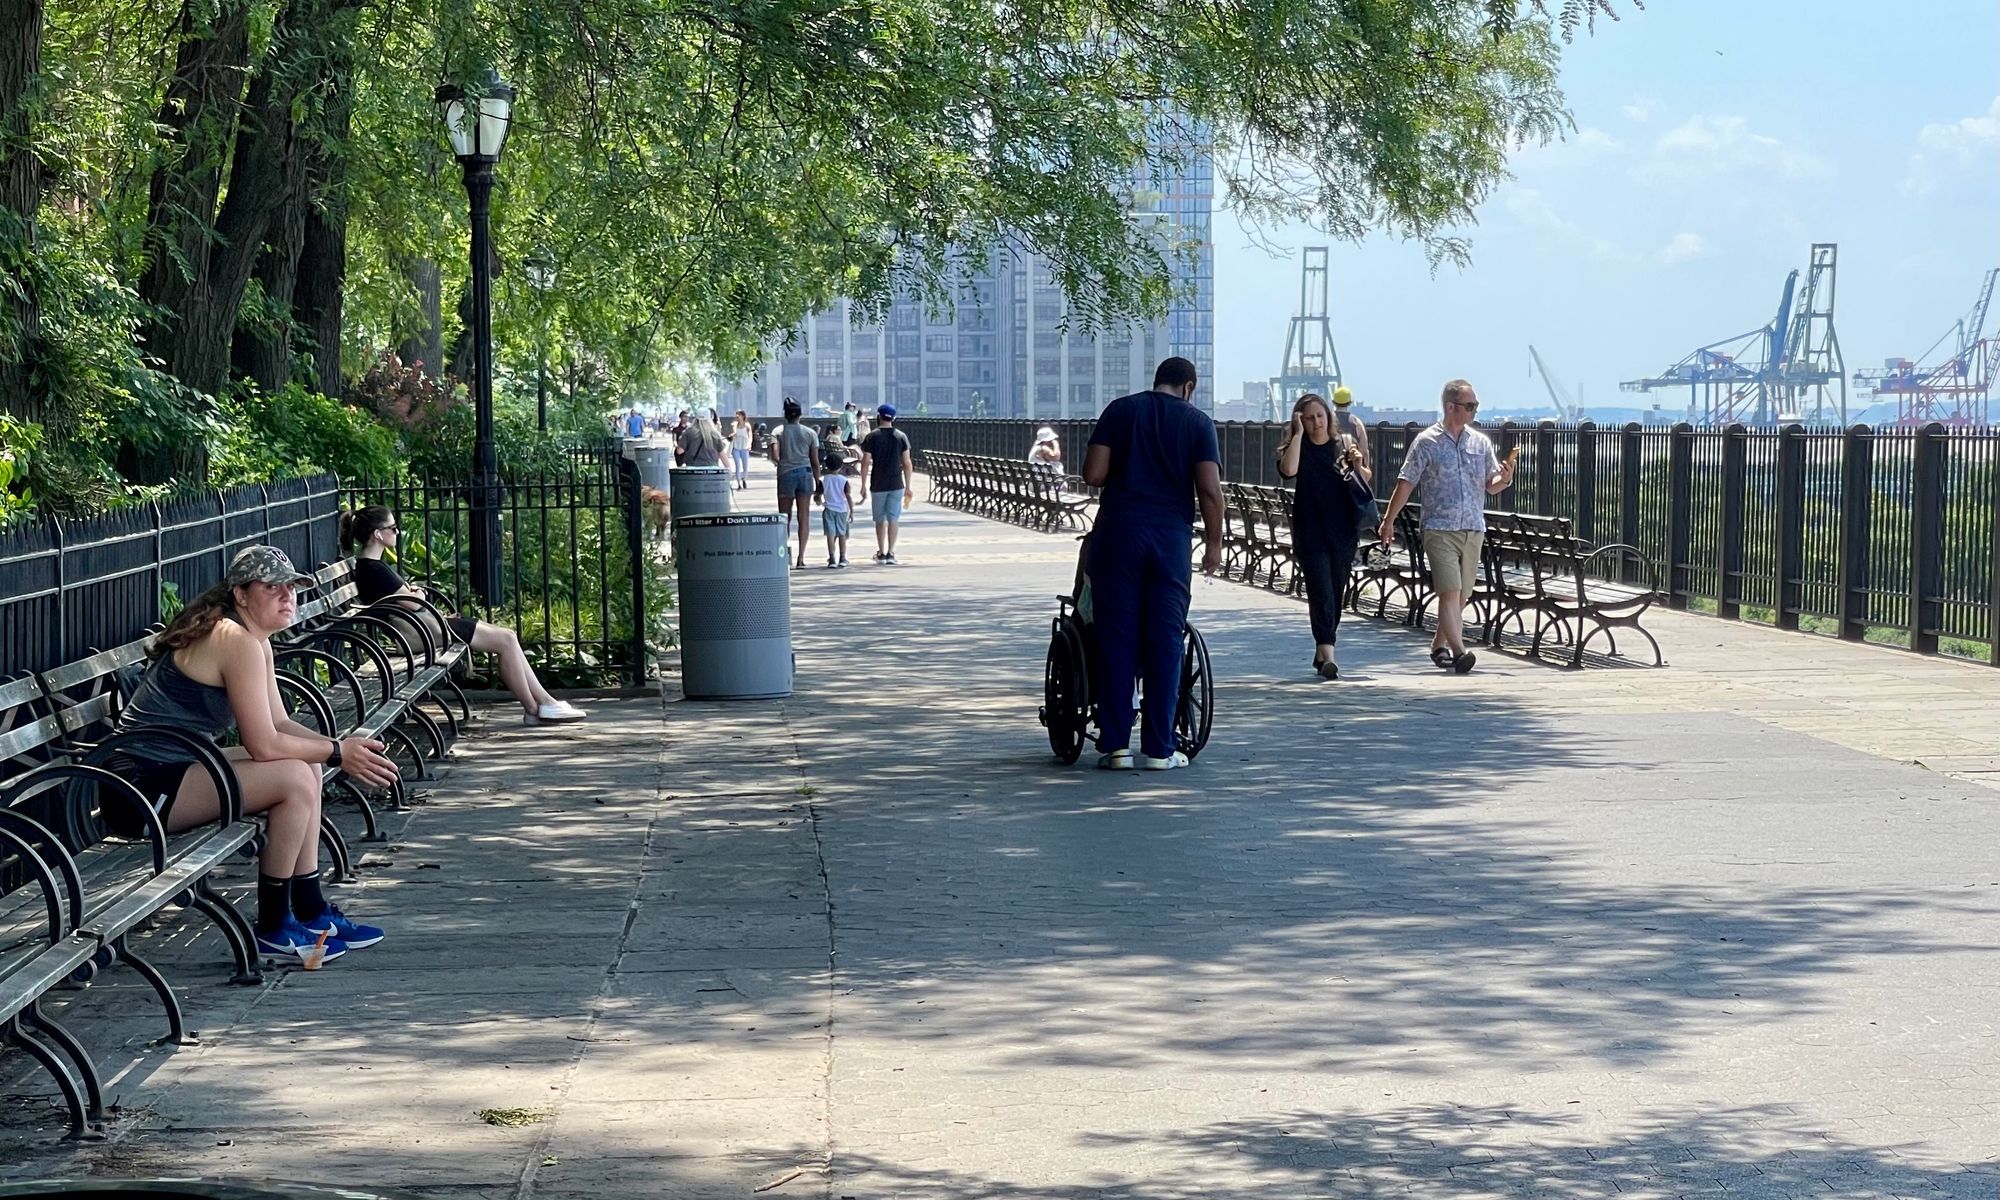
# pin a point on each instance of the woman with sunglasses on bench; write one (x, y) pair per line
(370, 533)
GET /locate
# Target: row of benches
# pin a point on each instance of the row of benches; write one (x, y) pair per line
(72, 891)
(1537, 578)
(1038, 495)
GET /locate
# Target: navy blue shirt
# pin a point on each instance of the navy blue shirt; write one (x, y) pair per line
(1156, 441)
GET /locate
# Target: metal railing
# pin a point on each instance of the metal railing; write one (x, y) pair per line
(1885, 535)
(577, 570)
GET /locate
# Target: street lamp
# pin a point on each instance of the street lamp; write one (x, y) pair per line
(476, 119)
(541, 277)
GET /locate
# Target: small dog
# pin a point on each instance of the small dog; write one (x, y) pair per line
(659, 512)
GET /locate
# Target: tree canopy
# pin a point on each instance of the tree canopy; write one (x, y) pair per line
(204, 199)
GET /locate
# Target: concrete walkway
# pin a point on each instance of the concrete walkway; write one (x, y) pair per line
(1523, 933)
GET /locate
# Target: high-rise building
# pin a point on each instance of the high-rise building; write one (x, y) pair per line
(1007, 349)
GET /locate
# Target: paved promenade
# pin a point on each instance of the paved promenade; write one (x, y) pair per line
(1731, 927)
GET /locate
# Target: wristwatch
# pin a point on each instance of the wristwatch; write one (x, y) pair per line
(333, 760)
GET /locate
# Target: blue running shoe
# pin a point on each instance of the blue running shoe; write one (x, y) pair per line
(293, 941)
(355, 937)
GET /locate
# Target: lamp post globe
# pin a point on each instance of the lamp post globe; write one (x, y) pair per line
(476, 120)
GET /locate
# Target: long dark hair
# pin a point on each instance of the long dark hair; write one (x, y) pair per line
(196, 621)
(357, 525)
(1299, 407)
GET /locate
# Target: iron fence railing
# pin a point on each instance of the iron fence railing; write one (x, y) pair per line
(578, 573)
(1884, 535)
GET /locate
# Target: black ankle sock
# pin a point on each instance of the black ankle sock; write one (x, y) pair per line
(274, 901)
(307, 900)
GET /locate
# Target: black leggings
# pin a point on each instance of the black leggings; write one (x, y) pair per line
(1325, 561)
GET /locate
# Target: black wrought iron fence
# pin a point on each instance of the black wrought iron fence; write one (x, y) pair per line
(1885, 535)
(581, 583)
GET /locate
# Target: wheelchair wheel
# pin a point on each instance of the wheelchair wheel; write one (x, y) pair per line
(1065, 691)
(1196, 711)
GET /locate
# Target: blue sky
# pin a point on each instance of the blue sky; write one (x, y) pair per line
(1694, 181)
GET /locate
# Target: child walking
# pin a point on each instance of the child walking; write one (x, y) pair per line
(836, 515)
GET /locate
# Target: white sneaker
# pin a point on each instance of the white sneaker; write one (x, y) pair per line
(560, 711)
(1117, 760)
(1171, 762)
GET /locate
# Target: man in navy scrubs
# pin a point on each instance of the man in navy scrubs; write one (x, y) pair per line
(1153, 453)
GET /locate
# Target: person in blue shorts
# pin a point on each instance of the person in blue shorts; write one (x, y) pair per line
(796, 451)
(1154, 455)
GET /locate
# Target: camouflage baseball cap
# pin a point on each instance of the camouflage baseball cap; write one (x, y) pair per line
(263, 564)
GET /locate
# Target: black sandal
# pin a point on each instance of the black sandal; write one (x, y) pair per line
(1328, 669)
(1441, 657)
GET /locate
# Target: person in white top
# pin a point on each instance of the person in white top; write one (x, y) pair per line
(739, 448)
(836, 514)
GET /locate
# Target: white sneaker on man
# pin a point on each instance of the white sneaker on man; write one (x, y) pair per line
(1171, 762)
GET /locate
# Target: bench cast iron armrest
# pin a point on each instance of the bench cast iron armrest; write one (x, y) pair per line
(1624, 550)
(204, 751)
(43, 778)
(43, 855)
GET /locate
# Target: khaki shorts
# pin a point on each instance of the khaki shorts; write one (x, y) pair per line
(1454, 558)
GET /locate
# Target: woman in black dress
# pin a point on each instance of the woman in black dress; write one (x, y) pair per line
(1326, 523)
(368, 533)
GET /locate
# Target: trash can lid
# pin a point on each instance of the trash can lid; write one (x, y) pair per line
(727, 519)
(702, 470)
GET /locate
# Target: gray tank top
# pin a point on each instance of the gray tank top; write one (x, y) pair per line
(1349, 424)
(168, 697)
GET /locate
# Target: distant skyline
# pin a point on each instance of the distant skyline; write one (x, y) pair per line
(1714, 142)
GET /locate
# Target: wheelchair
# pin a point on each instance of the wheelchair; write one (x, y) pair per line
(1068, 711)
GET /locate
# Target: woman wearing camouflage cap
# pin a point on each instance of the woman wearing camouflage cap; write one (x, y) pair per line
(211, 671)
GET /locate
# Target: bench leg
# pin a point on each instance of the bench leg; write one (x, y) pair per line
(399, 738)
(372, 829)
(177, 1031)
(242, 939)
(457, 696)
(444, 710)
(432, 733)
(335, 845)
(83, 1096)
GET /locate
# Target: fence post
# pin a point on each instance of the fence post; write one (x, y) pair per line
(1545, 468)
(1510, 438)
(1586, 480)
(635, 542)
(1791, 524)
(1729, 542)
(1631, 458)
(1857, 502)
(1680, 511)
(1927, 538)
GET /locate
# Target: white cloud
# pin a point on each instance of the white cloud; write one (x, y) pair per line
(1596, 139)
(1532, 210)
(1680, 248)
(1944, 151)
(1705, 146)
(1641, 109)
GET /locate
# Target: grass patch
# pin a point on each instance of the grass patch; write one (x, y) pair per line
(511, 1118)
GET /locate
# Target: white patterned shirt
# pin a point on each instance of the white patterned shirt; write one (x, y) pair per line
(1450, 474)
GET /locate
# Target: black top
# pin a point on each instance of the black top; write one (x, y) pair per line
(885, 448)
(374, 579)
(1156, 441)
(1323, 506)
(167, 697)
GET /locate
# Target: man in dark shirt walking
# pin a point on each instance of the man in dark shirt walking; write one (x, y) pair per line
(1153, 453)
(888, 480)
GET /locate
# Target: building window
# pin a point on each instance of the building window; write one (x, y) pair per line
(1083, 396)
(938, 343)
(908, 344)
(864, 368)
(938, 397)
(828, 368)
(940, 368)
(908, 371)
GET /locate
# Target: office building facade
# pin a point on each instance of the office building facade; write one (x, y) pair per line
(1006, 349)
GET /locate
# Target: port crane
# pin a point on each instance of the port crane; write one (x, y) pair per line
(1768, 374)
(1956, 389)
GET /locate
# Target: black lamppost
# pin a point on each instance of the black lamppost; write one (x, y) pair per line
(476, 119)
(541, 277)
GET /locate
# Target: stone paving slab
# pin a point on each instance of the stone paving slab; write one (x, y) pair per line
(1730, 928)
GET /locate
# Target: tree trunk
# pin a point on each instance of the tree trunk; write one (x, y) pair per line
(20, 196)
(318, 301)
(426, 346)
(262, 350)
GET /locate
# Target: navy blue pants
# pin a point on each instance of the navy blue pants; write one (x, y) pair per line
(1139, 578)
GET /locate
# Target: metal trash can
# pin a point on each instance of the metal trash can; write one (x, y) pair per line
(735, 606)
(698, 491)
(654, 463)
